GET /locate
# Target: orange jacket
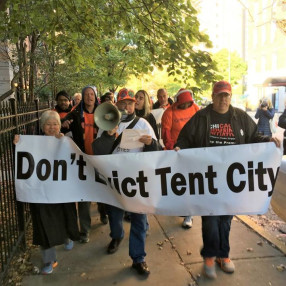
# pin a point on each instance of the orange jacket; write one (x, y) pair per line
(173, 120)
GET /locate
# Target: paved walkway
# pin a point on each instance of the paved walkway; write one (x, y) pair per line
(172, 256)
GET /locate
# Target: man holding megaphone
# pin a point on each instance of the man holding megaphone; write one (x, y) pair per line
(81, 123)
(109, 142)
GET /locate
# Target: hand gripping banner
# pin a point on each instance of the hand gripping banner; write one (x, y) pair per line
(227, 180)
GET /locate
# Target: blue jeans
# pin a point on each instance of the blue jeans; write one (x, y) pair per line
(216, 236)
(137, 235)
(48, 254)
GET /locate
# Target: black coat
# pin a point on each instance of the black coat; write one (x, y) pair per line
(282, 124)
(151, 120)
(53, 223)
(76, 125)
(156, 105)
(196, 131)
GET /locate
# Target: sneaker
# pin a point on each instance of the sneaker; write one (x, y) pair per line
(209, 267)
(49, 267)
(188, 222)
(113, 245)
(68, 244)
(226, 265)
(141, 268)
(84, 238)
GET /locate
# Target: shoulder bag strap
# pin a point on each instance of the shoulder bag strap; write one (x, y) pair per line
(118, 139)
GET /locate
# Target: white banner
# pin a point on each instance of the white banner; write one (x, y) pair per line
(235, 179)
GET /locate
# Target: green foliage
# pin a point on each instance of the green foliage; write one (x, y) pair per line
(105, 42)
(230, 66)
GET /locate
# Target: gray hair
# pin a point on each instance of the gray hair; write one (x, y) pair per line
(77, 94)
(49, 114)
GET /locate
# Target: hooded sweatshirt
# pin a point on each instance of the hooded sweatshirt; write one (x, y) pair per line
(83, 128)
(173, 120)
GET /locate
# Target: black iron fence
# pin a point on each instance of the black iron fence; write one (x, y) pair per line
(14, 216)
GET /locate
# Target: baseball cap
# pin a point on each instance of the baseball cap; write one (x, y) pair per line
(221, 86)
(125, 94)
(184, 95)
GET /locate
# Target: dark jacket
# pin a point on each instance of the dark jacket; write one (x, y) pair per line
(104, 144)
(264, 117)
(62, 112)
(150, 118)
(196, 132)
(282, 120)
(156, 105)
(54, 223)
(282, 124)
(76, 126)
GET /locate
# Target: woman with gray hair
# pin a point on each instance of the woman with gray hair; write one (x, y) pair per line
(53, 224)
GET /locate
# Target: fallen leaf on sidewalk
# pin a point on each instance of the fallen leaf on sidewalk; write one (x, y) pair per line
(36, 270)
(281, 267)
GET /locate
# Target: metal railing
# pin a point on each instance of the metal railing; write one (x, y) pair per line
(14, 216)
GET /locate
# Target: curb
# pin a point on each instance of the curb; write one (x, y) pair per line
(270, 238)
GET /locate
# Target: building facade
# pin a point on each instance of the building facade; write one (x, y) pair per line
(6, 71)
(266, 55)
(249, 28)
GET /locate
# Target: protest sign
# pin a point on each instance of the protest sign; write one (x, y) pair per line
(237, 179)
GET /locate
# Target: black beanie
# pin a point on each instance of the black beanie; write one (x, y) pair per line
(63, 93)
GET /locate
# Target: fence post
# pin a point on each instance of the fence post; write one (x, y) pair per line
(20, 205)
(38, 115)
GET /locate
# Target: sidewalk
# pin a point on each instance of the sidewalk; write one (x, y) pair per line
(177, 262)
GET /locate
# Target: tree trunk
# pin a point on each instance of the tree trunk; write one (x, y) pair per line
(32, 70)
(21, 88)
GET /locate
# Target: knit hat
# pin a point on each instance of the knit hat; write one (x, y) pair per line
(82, 101)
(125, 94)
(222, 86)
(89, 86)
(184, 95)
(62, 93)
